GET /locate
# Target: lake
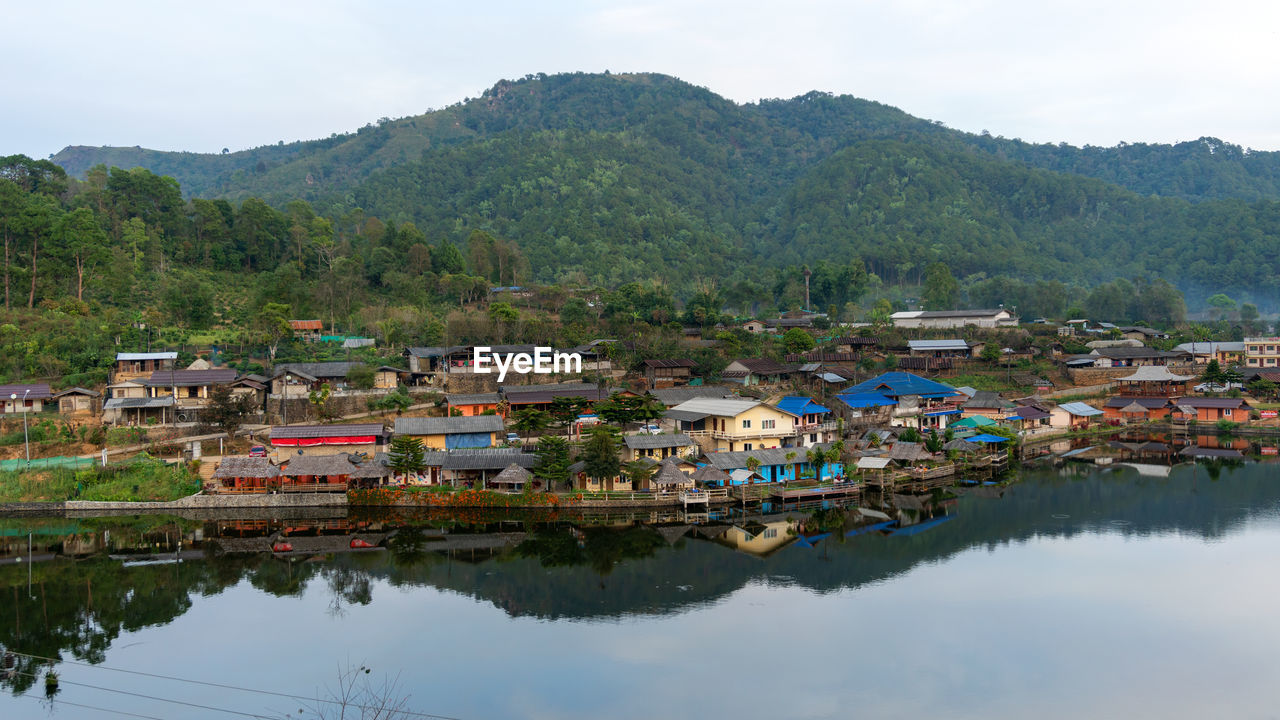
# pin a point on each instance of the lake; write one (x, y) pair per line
(1073, 592)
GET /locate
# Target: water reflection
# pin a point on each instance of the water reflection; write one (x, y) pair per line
(91, 580)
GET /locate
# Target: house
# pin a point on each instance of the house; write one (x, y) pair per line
(1105, 357)
(139, 410)
(307, 330)
(1262, 352)
(541, 397)
(469, 404)
(755, 371)
(776, 465)
(918, 402)
(240, 474)
(812, 422)
(864, 409)
(19, 399)
(988, 404)
(473, 467)
(1212, 410)
(129, 366)
(367, 438)
(668, 373)
(192, 389)
(675, 395)
(1226, 353)
(945, 319)
(595, 356)
(1073, 415)
(1029, 417)
(335, 469)
(658, 447)
(956, 348)
(733, 423)
(77, 401)
(299, 379)
(669, 478)
(755, 327)
(1137, 409)
(450, 433)
(760, 538)
(1138, 332)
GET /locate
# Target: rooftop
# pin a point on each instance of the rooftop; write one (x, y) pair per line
(449, 425)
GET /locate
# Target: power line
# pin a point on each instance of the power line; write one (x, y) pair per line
(154, 697)
(94, 707)
(408, 713)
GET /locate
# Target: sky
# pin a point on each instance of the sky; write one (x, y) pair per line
(202, 77)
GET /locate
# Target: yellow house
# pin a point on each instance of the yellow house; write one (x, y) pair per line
(453, 433)
(734, 424)
(658, 447)
(760, 538)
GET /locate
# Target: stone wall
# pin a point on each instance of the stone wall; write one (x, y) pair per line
(211, 502)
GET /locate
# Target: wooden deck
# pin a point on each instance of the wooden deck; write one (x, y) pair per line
(800, 494)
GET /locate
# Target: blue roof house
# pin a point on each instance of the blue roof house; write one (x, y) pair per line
(903, 399)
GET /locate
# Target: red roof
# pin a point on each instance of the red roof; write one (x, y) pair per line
(306, 324)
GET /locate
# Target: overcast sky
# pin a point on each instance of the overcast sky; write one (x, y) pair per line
(201, 77)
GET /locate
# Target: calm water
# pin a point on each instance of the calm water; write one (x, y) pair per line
(1113, 594)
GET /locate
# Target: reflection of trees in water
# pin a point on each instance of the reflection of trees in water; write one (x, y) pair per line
(347, 586)
(599, 548)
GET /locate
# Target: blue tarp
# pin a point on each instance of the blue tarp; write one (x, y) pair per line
(987, 439)
(459, 441)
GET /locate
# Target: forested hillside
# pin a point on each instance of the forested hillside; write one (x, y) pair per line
(609, 179)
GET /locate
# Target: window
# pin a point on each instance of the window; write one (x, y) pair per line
(746, 423)
(746, 446)
(770, 533)
(766, 424)
(813, 437)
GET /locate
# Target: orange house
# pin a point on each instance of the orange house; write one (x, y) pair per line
(474, 404)
(1211, 410)
(1137, 409)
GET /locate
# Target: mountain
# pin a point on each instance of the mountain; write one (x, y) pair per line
(625, 177)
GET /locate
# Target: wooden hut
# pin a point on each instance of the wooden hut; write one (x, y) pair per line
(670, 479)
(511, 480)
(316, 472)
(239, 474)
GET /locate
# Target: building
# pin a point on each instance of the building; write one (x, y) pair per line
(77, 401)
(673, 396)
(775, 465)
(1137, 409)
(290, 440)
(1073, 415)
(451, 433)
(668, 373)
(813, 423)
(730, 424)
(469, 404)
(191, 389)
(129, 366)
(299, 379)
(1226, 353)
(916, 402)
(658, 447)
(956, 348)
(1262, 352)
(1212, 410)
(18, 399)
(308, 330)
(755, 371)
(944, 319)
(988, 404)
(1154, 381)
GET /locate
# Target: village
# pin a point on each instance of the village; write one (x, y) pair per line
(860, 412)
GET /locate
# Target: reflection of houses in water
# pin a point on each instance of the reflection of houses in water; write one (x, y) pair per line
(760, 536)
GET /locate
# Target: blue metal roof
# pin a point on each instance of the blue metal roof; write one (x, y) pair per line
(800, 405)
(1080, 409)
(898, 383)
(857, 401)
(988, 439)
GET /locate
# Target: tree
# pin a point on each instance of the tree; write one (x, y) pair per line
(271, 325)
(529, 420)
(991, 353)
(1221, 304)
(940, 288)
(575, 311)
(640, 472)
(797, 341)
(361, 377)
(600, 455)
(319, 399)
(565, 409)
(1213, 373)
(84, 244)
(406, 455)
(226, 410)
(553, 461)
(503, 313)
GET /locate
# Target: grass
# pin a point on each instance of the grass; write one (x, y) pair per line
(993, 382)
(145, 480)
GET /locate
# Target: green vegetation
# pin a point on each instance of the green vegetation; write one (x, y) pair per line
(142, 480)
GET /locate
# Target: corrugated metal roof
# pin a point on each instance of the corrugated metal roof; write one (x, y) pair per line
(323, 431)
(35, 391)
(652, 442)
(449, 425)
(190, 378)
(938, 344)
(138, 403)
(147, 356)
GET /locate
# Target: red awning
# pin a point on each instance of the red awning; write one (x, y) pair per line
(332, 440)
